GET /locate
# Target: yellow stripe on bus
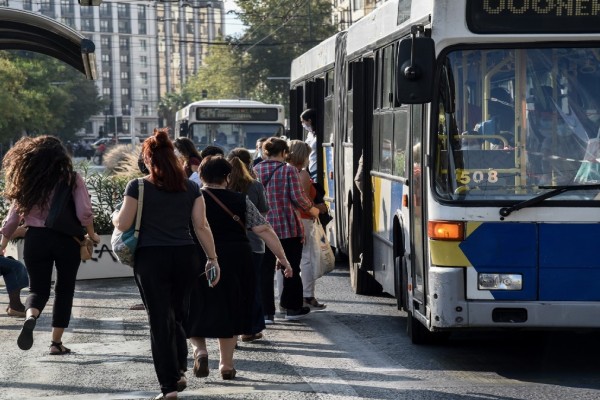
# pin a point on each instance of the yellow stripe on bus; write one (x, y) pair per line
(448, 253)
(377, 221)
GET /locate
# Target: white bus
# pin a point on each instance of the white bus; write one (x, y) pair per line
(478, 124)
(229, 123)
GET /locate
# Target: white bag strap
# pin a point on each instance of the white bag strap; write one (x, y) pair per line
(138, 215)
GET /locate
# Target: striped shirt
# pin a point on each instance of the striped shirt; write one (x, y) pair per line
(284, 195)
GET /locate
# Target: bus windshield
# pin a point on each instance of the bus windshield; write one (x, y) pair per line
(512, 123)
(231, 135)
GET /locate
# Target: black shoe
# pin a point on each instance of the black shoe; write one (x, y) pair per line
(25, 340)
(293, 315)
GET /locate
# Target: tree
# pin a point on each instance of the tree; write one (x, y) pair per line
(48, 96)
(170, 104)
(279, 31)
(220, 77)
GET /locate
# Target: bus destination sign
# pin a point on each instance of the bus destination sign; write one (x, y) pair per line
(258, 114)
(533, 16)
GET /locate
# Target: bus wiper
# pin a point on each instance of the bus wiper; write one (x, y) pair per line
(556, 190)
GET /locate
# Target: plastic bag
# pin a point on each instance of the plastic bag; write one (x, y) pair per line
(325, 260)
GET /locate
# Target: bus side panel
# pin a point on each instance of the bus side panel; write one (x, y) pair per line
(569, 262)
(387, 201)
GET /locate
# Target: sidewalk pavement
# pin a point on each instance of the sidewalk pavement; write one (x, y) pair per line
(112, 358)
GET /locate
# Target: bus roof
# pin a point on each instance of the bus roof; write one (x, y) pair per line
(447, 18)
(319, 58)
(230, 103)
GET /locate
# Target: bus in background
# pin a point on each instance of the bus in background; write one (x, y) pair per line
(229, 123)
(478, 127)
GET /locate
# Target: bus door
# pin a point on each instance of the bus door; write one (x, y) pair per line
(296, 103)
(416, 207)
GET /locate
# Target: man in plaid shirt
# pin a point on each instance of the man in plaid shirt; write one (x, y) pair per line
(285, 195)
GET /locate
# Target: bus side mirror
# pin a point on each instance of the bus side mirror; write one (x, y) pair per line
(415, 70)
(183, 129)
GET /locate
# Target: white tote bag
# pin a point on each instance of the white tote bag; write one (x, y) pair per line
(324, 259)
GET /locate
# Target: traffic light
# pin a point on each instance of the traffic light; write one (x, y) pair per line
(90, 2)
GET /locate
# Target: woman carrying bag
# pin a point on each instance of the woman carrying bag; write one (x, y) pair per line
(166, 259)
(36, 171)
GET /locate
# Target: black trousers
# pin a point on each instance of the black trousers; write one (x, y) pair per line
(165, 275)
(44, 248)
(291, 298)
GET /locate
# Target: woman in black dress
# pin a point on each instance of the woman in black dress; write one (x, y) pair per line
(225, 311)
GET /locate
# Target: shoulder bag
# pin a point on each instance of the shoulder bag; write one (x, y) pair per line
(125, 243)
(62, 218)
(227, 210)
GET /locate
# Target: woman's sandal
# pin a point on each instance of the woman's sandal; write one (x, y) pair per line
(228, 375)
(25, 339)
(62, 350)
(201, 366)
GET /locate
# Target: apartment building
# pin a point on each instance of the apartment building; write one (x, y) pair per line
(144, 49)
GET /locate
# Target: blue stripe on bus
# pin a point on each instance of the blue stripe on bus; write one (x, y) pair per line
(559, 262)
(505, 248)
(329, 182)
(569, 262)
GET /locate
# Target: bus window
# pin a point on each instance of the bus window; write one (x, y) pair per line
(401, 132)
(388, 72)
(386, 138)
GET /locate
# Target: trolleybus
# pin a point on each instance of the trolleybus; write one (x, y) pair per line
(229, 123)
(478, 126)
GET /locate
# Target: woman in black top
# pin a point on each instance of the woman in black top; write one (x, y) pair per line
(166, 259)
(226, 311)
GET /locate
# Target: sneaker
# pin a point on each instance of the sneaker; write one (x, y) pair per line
(313, 304)
(269, 319)
(293, 315)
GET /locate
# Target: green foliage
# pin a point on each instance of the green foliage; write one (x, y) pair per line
(171, 103)
(278, 31)
(45, 96)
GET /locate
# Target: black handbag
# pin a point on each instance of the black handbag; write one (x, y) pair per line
(62, 216)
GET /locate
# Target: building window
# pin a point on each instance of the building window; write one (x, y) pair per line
(124, 75)
(105, 57)
(142, 28)
(144, 61)
(144, 77)
(105, 41)
(87, 24)
(124, 26)
(67, 7)
(106, 91)
(145, 110)
(144, 128)
(122, 10)
(106, 74)
(123, 58)
(105, 25)
(141, 12)
(143, 45)
(105, 10)
(125, 91)
(27, 5)
(145, 94)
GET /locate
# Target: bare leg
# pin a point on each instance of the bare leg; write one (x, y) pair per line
(226, 348)
(198, 346)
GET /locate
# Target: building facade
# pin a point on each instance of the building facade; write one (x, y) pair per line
(347, 12)
(144, 50)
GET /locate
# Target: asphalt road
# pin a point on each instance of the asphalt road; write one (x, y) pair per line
(355, 349)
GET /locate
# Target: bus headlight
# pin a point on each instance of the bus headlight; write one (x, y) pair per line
(487, 281)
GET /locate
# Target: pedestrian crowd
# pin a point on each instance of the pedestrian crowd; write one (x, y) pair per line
(216, 229)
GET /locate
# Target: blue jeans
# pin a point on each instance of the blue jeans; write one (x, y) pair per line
(14, 273)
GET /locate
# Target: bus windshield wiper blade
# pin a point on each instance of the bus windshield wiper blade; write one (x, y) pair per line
(556, 190)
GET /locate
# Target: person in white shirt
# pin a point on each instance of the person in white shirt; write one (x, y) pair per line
(309, 123)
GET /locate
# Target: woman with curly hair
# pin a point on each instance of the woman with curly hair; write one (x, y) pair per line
(167, 262)
(34, 169)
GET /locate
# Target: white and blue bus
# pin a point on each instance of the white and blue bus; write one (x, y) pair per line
(229, 123)
(478, 126)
